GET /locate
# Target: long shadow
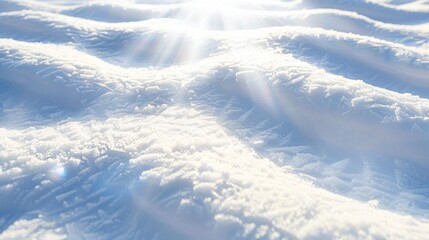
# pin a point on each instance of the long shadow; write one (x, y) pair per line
(397, 184)
(21, 110)
(372, 10)
(375, 66)
(347, 23)
(112, 13)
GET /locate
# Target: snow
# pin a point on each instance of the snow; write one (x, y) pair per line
(191, 119)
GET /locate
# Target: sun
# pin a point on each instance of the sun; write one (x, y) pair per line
(218, 14)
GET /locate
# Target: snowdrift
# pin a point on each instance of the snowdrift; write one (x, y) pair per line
(204, 119)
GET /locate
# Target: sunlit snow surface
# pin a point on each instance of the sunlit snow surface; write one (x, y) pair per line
(206, 119)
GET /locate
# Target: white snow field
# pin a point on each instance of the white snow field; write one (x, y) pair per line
(214, 119)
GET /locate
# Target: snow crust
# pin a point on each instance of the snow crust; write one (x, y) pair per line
(205, 119)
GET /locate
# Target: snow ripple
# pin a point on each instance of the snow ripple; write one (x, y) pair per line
(186, 120)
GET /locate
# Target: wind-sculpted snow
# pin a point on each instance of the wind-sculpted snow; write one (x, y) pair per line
(214, 119)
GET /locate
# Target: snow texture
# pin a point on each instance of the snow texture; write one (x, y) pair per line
(204, 119)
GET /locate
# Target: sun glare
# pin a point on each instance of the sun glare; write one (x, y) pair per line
(217, 15)
(186, 38)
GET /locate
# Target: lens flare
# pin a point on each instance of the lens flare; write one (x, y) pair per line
(57, 173)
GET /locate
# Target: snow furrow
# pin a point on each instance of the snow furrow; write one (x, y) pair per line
(379, 63)
(88, 86)
(276, 138)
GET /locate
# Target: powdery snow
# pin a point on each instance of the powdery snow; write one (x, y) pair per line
(214, 119)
